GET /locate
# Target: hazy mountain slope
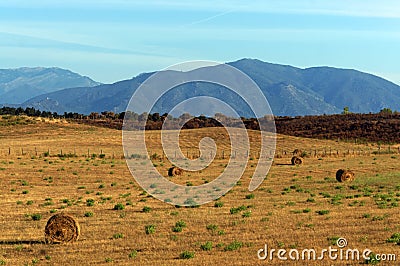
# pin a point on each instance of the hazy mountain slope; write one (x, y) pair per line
(20, 84)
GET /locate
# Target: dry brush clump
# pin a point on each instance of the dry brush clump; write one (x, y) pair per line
(344, 175)
(61, 228)
(174, 171)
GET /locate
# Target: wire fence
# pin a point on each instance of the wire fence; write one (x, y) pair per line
(194, 153)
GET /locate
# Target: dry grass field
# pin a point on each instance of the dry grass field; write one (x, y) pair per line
(296, 207)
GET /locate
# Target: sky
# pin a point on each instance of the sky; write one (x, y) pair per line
(111, 40)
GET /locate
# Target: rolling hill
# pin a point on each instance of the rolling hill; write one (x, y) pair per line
(290, 91)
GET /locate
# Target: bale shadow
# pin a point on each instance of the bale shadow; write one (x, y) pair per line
(20, 242)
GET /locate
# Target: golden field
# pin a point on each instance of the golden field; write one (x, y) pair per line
(296, 207)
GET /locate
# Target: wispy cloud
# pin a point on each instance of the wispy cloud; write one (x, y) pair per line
(210, 18)
(355, 8)
(362, 8)
(26, 41)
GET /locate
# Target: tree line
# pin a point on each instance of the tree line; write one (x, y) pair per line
(383, 126)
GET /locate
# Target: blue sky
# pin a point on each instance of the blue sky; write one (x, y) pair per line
(110, 40)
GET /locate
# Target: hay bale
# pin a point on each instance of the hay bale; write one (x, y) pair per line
(297, 160)
(174, 171)
(298, 152)
(344, 175)
(61, 228)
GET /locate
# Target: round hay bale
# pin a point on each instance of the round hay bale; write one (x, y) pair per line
(61, 228)
(298, 152)
(297, 160)
(174, 171)
(344, 175)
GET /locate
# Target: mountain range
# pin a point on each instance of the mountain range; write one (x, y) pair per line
(291, 91)
(20, 84)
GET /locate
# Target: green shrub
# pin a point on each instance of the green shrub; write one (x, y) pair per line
(146, 209)
(372, 259)
(180, 224)
(237, 209)
(150, 229)
(250, 196)
(233, 246)
(119, 206)
(88, 214)
(218, 204)
(207, 246)
(212, 227)
(186, 255)
(246, 214)
(90, 202)
(133, 254)
(176, 229)
(395, 238)
(118, 235)
(36, 216)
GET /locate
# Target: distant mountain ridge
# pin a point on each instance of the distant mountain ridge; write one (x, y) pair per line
(291, 91)
(20, 84)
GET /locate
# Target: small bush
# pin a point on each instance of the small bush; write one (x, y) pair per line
(119, 206)
(235, 245)
(88, 214)
(176, 229)
(323, 212)
(237, 209)
(146, 209)
(218, 204)
(250, 196)
(118, 235)
(150, 229)
(207, 246)
(395, 238)
(372, 259)
(186, 255)
(90, 202)
(36, 216)
(212, 227)
(133, 254)
(180, 224)
(246, 214)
